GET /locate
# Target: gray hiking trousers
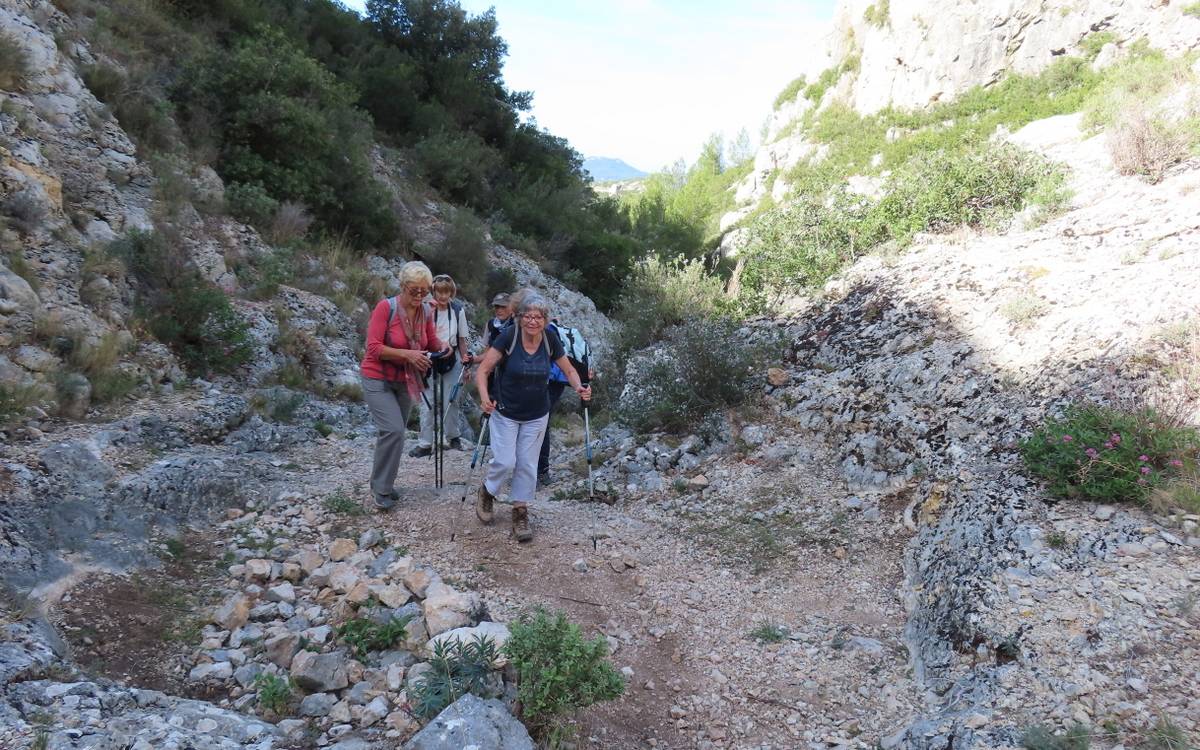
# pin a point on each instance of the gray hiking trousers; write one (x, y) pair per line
(389, 403)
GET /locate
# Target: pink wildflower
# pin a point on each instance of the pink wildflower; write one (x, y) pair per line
(1114, 438)
(1145, 469)
(1067, 438)
(1143, 458)
(1092, 452)
(1141, 481)
(1176, 462)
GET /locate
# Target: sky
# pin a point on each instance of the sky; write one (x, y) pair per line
(648, 81)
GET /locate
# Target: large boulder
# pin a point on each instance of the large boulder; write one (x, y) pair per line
(320, 673)
(475, 723)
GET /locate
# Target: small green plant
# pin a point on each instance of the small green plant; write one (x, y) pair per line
(341, 502)
(1043, 738)
(1023, 309)
(790, 92)
(458, 668)
(1192, 10)
(322, 429)
(1106, 454)
(15, 399)
(363, 635)
(879, 14)
(769, 633)
(1166, 735)
(42, 740)
(1056, 540)
(175, 548)
(558, 671)
(274, 692)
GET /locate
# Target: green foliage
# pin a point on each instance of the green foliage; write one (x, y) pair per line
(815, 91)
(364, 635)
(1105, 454)
(181, 308)
(14, 63)
(1192, 10)
(878, 14)
(805, 242)
(458, 668)
(463, 254)
(558, 670)
(341, 502)
(1043, 738)
(1138, 82)
(287, 130)
(138, 104)
(790, 92)
(660, 294)
(703, 367)
(15, 399)
(768, 633)
(1094, 42)
(1166, 735)
(274, 692)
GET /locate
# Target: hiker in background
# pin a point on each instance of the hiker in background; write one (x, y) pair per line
(501, 314)
(400, 336)
(451, 324)
(579, 354)
(520, 407)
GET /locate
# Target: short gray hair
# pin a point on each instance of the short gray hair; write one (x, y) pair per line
(415, 272)
(534, 302)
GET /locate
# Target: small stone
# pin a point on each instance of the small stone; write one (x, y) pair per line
(233, 613)
(281, 649)
(344, 577)
(627, 671)
(445, 608)
(369, 538)
(698, 482)
(342, 548)
(580, 566)
(401, 722)
(284, 592)
(258, 569)
(975, 721)
(1104, 512)
(309, 560)
(777, 377)
(221, 670)
(1133, 549)
(1138, 685)
(418, 581)
(291, 572)
(374, 711)
(320, 672)
(317, 704)
(392, 595)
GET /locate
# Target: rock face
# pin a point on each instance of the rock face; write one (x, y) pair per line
(926, 51)
(472, 722)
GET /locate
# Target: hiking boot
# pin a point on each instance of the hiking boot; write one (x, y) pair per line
(520, 520)
(385, 502)
(421, 451)
(483, 505)
(544, 479)
(455, 444)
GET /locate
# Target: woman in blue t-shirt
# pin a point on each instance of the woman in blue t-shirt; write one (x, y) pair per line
(520, 407)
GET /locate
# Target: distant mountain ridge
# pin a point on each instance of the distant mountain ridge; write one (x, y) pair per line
(606, 169)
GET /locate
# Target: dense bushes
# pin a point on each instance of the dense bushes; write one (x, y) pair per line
(1106, 454)
(463, 254)
(658, 295)
(287, 130)
(558, 670)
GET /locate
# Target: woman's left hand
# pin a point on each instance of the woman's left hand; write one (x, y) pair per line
(585, 392)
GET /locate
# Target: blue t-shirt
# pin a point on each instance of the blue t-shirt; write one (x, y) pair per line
(521, 386)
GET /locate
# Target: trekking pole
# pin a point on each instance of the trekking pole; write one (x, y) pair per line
(438, 414)
(587, 436)
(476, 457)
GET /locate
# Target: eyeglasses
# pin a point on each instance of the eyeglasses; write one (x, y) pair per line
(417, 291)
(533, 317)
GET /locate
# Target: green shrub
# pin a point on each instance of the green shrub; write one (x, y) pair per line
(703, 367)
(15, 399)
(878, 14)
(558, 670)
(1105, 454)
(274, 692)
(286, 125)
(1043, 738)
(768, 633)
(250, 203)
(341, 502)
(14, 63)
(463, 254)
(1166, 735)
(1094, 42)
(138, 105)
(458, 668)
(1138, 82)
(363, 635)
(181, 308)
(1192, 10)
(659, 295)
(457, 164)
(790, 92)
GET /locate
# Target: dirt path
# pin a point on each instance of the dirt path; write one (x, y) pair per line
(678, 598)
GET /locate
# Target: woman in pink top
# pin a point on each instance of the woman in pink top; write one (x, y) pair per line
(400, 337)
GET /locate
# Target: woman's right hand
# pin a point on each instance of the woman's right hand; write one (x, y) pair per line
(487, 404)
(418, 359)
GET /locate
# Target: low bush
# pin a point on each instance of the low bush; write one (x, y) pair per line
(14, 63)
(661, 294)
(878, 14)
(1145, 146)
(15, 399)
(1192, 10)
(251, 203)
(702, 368)
(463, 255)
(274, 692)
(181, 308)
(1110, 455)
(24, 211)
(363, 635)
(558, 670)
(1043, 738)
(458, 668)
(289, 224)
(790, 92)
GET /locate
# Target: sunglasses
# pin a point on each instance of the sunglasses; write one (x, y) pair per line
(417, 291)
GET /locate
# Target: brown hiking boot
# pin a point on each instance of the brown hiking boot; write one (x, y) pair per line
(483, 505)
(520, 519)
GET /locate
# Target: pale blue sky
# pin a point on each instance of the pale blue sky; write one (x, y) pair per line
(648, 81)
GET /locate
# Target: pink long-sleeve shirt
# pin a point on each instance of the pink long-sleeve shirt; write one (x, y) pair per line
(372, 365)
